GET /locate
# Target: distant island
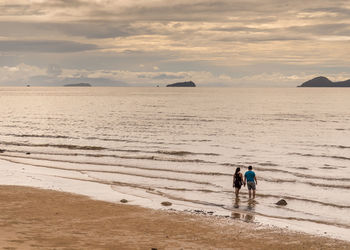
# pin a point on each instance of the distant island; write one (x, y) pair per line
(182, 84)
(322, 81)
(78, 85)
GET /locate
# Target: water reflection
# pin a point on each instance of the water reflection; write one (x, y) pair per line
(236, 204)
(245, 213)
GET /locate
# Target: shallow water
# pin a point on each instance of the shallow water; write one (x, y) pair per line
(183, 145)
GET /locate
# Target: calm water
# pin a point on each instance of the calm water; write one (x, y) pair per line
(183, 145)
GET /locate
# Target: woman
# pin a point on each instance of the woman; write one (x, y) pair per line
(237, 181)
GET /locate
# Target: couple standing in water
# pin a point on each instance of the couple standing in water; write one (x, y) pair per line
(249, 180)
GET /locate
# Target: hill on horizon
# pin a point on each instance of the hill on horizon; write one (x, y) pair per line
(322, 81)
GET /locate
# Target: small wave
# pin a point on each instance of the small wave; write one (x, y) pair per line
(327, 185)
(301, 219)
(333, 146)
(323, 156)
(40, 136)
(328, 167)
(329, 178)
(135, 141)
(268, 164)
(98, 148)
(304, 199)
(111, 172)
(182, 153)
(67, 146)
(116, 165)
(153, 158)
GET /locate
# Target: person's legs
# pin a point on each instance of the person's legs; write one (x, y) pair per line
(249, 185)
(253, 187)
(236, 191)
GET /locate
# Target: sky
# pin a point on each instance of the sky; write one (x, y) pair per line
(223, 43)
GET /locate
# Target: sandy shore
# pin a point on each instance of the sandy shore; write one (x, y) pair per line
(42, 219)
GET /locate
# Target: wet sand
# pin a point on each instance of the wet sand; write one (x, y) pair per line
(43, 219)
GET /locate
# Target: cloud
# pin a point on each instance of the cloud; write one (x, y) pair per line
(208, 41)
(168, 76)
(54, 70)
(51, 46)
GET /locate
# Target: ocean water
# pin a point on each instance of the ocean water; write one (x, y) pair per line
(183, 145)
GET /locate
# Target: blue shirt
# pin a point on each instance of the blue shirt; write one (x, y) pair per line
(249, 175)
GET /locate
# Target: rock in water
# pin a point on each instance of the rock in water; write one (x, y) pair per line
(123, 201)
(166, 203)
(281, 203)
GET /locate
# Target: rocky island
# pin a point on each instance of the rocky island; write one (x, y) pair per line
(182, 84)
(78, 85)
(322, 81)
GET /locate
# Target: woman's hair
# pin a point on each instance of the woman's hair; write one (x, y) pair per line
(237, 170)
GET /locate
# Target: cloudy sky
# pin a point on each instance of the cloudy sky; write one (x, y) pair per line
(277, 43)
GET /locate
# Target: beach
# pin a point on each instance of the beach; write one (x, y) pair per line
(150, 145)
(44, 219)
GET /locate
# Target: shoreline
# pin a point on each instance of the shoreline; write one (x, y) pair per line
(33, 218)
(13, 173)
(17, 173)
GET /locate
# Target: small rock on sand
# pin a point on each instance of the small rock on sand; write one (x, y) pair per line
(124, 201)
(166, 203)
(281, 202)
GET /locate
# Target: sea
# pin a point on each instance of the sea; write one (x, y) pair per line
(182, 145)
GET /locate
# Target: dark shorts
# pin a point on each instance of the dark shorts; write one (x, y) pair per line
(251, 185)
(238, 185)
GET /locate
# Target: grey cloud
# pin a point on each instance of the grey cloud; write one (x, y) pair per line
(45, 80)
(97, 29)
(65, 3)
(54, 70)
(262, 38)
(31, 9)
(85, 28)
(50, 46)
(167, 76)
(93, 81)
(214, 36)
(178, 11)
(340, 12)
(340, 29)
(20, 10)
(207, 10)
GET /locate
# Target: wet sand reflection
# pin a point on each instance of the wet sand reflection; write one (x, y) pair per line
(245, 213)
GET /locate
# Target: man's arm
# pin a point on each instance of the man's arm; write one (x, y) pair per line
(256, 181)
(244, 182)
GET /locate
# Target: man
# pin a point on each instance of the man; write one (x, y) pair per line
(250, 180)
